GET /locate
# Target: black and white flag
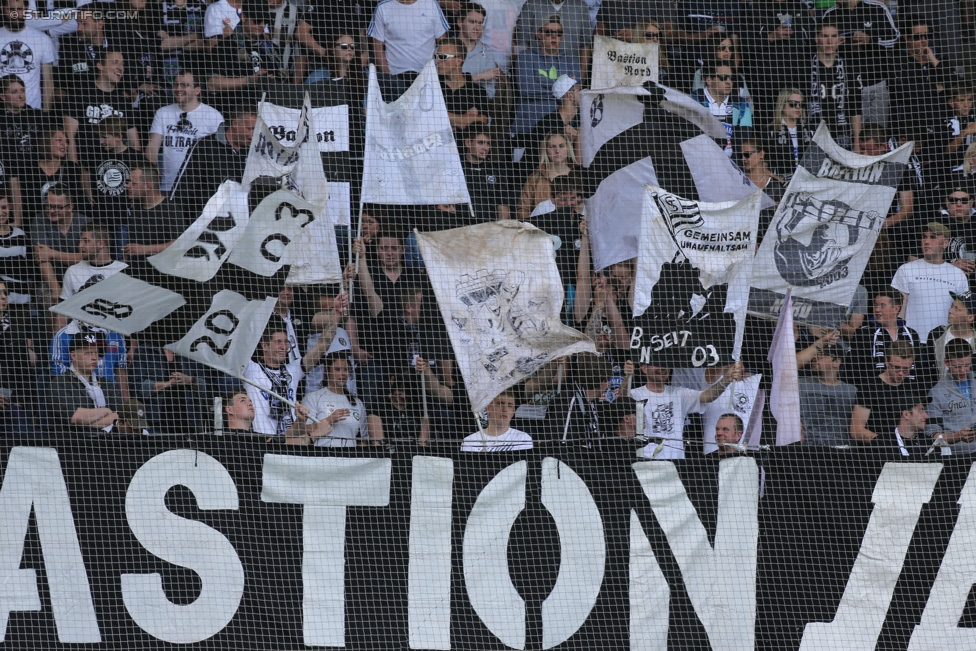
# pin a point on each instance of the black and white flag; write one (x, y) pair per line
(631, 139)
(501, 297)
(692, 282)
(824, 230)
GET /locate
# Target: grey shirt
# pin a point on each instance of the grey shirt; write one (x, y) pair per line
(825, 412)
(481, 59)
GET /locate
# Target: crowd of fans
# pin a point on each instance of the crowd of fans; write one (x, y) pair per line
(121, 119)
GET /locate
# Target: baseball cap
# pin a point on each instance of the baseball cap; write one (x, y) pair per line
(968, 298)
(563, 85)
(939, 229)
(86, 340)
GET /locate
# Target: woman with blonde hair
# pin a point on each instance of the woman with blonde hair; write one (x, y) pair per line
(788, 135)
(557, 157)
(650, 31)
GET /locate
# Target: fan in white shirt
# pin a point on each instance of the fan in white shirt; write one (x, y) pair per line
(666, 406)
(177, 126)
(498, 436)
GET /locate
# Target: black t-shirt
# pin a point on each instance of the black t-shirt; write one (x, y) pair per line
(163, 223)
(465, 98)
(562, 225)
(89, 108)
(235, 56)
(140, 46)
(35, 184)
(109, 174)
(489, 185)
(180, 20)
(953, 126)
(328, 18)
(372, 331)
(76, 64)
(19, 137)
(885, 402)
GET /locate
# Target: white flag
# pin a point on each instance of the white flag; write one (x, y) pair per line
(824, 230)
(719, 239)
(268, 156)
(315, 258)
(739, 398)
(226, 336)
(499, 292)
(411, 157)
(198, 253)
(616, 63)
(276, 223)
(121, 304)
(784, 396)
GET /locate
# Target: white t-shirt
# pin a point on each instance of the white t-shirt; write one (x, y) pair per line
(271, 417)
(22, 54)
(410, 33)
(928, 286)
(512, 439)
(178, 135)
(323, 402)
(664, 418)
(213, 20)
(83, 275)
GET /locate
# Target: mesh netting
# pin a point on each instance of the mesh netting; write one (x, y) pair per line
(624, 325)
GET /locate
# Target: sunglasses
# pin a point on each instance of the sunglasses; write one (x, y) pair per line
(724, 47)
(723, 77)
(4, 292)
(958, 200)
(552, 32)
(346, 46)
(654, 36)
(444, 56)
(794, 104)
(747, 154)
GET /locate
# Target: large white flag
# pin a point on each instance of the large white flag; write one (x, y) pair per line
(824, 230)
(270, 157)
(226, 336)
(692, 282)
(499, 292)
(411, 157)
(617, 63)
(784, 395)
(198, 253)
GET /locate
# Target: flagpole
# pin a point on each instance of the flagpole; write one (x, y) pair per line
(423, 392)
(290, 403)
(359, 236)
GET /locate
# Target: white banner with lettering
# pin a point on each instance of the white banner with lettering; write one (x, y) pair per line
(617, 63)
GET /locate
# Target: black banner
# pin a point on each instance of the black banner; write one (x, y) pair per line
(228, 543)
